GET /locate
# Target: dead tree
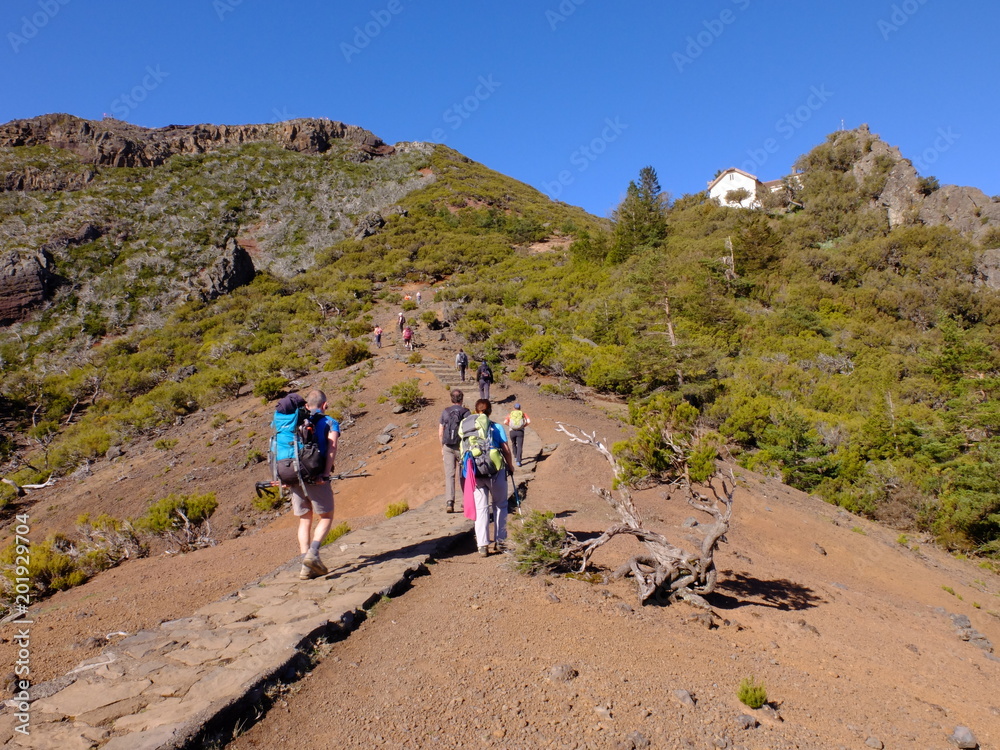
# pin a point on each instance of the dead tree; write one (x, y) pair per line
(663, 571)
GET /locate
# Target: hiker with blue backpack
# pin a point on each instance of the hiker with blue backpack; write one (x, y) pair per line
(486, 463)
(304, 449)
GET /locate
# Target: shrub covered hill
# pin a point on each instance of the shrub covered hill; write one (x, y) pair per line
(843, 335)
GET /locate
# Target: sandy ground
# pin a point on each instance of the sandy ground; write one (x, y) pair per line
(850, 631)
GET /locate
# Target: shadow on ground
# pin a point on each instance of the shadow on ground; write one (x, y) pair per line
(737, 590)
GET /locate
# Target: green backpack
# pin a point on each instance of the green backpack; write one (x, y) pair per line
(477, 442)
(516, 419)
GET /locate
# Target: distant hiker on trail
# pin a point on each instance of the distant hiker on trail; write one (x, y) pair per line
(451, 418)
(461, 362)
(487, 460)
(401, 322)
(319, 502)
(516, 421)
(408, 338)
(484, 375)
(378, 337)
(418, 298)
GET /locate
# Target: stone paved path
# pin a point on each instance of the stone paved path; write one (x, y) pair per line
(170, 687)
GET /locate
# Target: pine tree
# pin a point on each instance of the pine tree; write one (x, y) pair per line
(640, 218)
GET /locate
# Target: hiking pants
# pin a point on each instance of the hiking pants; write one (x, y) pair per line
(452, 463)
(461, 370)
(484, 389)
(491, 504)
(516, 443)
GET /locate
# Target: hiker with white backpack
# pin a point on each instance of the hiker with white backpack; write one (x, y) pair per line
(516, 421)
(486, 461)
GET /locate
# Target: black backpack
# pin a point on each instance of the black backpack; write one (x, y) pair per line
(451, 419)
(484, 373)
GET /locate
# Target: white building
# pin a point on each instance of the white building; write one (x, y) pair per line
(736, 179)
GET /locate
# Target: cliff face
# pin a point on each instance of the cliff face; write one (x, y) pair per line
(906, 200)
(118, 144)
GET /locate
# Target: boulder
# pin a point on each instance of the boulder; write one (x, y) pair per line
(26, 280)
(231, 270)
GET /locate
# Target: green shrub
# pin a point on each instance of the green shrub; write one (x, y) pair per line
(409, 304)
(519, 374)
(408, 394)
(751, 693)
(220, 419)
(430, 319)
(414, 359)
(537, 543)
(165, 444)
(163, 515)
(270, 388)
(268, 500)
(396, 509)
(344, 353)
(336, 532)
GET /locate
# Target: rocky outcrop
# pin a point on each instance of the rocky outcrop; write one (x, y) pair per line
(26, 280)
(231, 270)
(966, 209)
(114, 143)
(32, 178)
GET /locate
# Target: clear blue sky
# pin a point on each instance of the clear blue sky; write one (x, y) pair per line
(571, 96)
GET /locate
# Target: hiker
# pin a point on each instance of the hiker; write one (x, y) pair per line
(408, 338)
(516, 421)
(401, 322)
(418, 298)
(451, 418)
(378, 337)
(461, 362)
(485, 377)
(315, 500)
(490, 493)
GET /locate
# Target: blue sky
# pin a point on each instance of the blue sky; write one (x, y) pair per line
(571, 96)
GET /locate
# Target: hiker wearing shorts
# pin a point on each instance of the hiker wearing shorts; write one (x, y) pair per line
(319, 504)
(515, 422)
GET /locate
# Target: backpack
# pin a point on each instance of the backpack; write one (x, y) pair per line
(461, 359)
(477, 441)
(484, 373)
(295, 452)
(516, 419)
(452, 419)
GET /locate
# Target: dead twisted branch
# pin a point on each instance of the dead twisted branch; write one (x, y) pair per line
(664, 572)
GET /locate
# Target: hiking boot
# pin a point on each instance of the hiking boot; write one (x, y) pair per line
(484, 551)
(449, 508)
(314, 565)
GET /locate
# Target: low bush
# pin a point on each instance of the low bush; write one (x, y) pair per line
(396, 509)
(336, 532)
(166, 515)
(408, 394)
(538, 543)
(752, 693)
(270, 388)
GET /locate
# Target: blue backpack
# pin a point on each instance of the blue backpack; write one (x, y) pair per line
(295, 454)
